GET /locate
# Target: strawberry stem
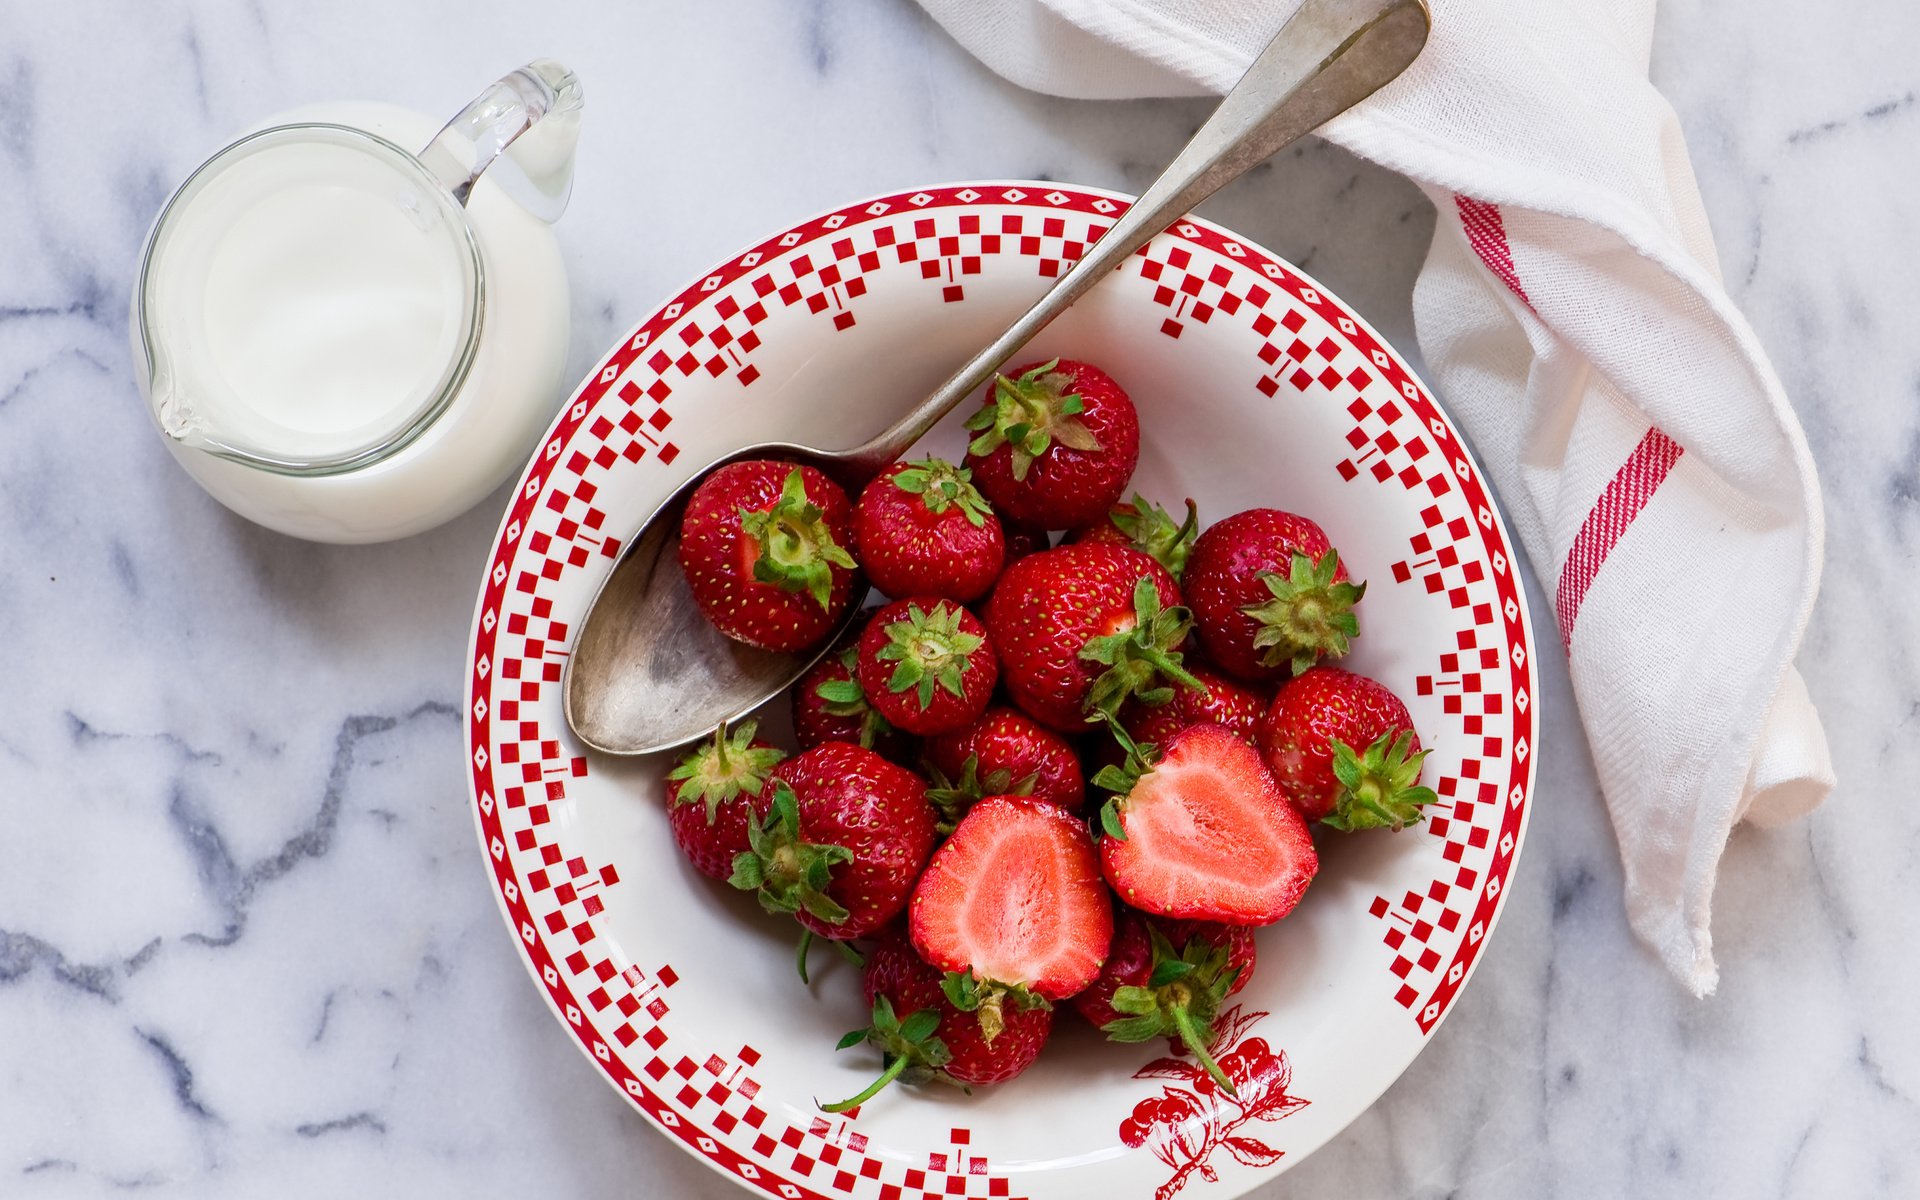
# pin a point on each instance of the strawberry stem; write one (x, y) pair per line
(846, 698)
(894, 1068)
(723, 768)
(907, 1045)
(800, 955)
(789, 875)
(941, 485)
(1152, 531)
(955, 797)
(1190, 1034)
(1182, 993)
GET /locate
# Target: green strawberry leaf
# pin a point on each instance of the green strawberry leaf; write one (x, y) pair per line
(795, 550)
(931, 650)
(1381, 788)
(1140, 661)
(724, 768)
(787, 874)
(1030, 414)
(942, 485)
(1307, 616)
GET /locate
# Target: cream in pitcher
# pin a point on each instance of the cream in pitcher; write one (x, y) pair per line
(348, 340)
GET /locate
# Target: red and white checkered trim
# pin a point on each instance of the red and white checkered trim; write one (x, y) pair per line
(621, 421)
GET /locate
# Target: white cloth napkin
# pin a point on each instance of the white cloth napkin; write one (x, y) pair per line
(1573, 318)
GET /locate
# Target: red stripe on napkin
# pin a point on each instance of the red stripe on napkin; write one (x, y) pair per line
(1487, 234)
(1626, 494)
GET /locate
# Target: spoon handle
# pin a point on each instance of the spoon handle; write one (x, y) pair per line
(1329, 56)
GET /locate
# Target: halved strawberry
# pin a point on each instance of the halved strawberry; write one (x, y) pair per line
(763, 545)
(1269, 594)
(1345, 752)
(1014, 901)
(715, 794)
(1205, 833)
(926, 665)
(923, 1037)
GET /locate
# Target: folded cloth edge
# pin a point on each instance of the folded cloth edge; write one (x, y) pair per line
(1783, 768)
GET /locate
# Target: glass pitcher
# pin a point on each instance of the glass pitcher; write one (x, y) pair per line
(349, 341)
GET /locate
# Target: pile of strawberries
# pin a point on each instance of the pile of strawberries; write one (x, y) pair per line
(939, 810)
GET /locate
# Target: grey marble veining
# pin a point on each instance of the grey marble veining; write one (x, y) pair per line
(245, 948)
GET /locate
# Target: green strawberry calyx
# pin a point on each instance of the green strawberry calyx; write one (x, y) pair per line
(796, 550)
(1380, 788)
(1120, 779)
(1151, 530)
(909, 1048)
(789, 875)
(1184, 990)
(953, 797)
(988, 1000)
(1030, 414)
(941, 486)
(724, 768)
(1307, 615)
(1140, 660)
(846, 698)
(930, 650)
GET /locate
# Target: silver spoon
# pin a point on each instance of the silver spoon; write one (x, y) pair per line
(648, 672)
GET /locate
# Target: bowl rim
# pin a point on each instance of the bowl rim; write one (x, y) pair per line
(608, 367)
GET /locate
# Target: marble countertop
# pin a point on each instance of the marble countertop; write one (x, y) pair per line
(245, 945)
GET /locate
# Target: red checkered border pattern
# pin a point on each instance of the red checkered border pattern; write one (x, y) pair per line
(688, 1098)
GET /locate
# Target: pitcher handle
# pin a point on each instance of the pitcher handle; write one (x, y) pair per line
(530, 120)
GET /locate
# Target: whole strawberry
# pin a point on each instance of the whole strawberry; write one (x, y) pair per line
(829, 705)
(1004, 752)
(922, 1036)
(1269, 594)
(1013, 902)
(715, 794)
(1056, 444)
(1204, 833)
(923, 529)
(1344, 751)
(842, 842)
(763, 545)
(1218, 701)
(1168, 978)
(1148, 528)
(926, 665)
(1083, 628)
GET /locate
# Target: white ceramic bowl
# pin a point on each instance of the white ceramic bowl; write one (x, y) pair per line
(1255, 387)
